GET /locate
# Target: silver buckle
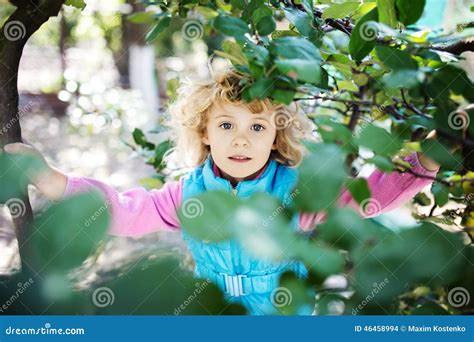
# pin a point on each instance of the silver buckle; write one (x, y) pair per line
(233, 284)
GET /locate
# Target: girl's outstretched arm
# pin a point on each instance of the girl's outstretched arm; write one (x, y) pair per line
(137, 211)
(134, 212)
(388, 191)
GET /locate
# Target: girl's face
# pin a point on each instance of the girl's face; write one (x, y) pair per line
(240, 141)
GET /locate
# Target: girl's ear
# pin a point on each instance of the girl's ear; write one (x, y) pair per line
(274, 146)
(205, 139)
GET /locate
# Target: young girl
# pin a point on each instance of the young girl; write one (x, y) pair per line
(238, 147)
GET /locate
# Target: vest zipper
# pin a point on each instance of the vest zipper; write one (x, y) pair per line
(235, 255)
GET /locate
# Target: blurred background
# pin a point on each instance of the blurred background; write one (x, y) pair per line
(87, 80)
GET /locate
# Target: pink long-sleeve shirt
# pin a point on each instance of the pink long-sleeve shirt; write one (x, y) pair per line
(138, 211)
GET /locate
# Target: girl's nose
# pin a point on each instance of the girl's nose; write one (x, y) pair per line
(240, 141)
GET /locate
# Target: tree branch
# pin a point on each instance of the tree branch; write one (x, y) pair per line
(456, 48)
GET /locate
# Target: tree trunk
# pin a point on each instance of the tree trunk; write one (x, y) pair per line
(25, 21)
(142, 68)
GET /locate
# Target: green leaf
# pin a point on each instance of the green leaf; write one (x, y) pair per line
(333, 132)
(300, 19)
(160, 151)
(206, 217)
(308, 7)
(359, 189)
(260, 13)
(173, 296)
(450, 79)
(322, 172)
(266, 25)
(441, 154)
(347, 85)
(158, 29)
(342, 63)
(293, 296)
(364, 35)
(379, 140)
(382, 163)
(68, 232)
(422, 199)
(406, 78)
(441, 194)
(395, 59)
(337, 11)
(263, 228)
(301, 56)
(319, 258)
(80, 4)
(250, 8)
(429, 308)
(233, 52)
(141, 18)
(257, 54)
(231, 26)
(409, 11)
(396, 261)
(283, 96)
(206, 12)
(285, 90)
(294, 47)
(16, 172)
(346, 229)
(140, 139)
(387, 13)
(261, 89)
(240, 4)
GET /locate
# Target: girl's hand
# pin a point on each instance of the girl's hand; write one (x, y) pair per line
(428, 163)
(50, 181)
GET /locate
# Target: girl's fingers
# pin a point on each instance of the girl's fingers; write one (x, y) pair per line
(19, 148)
(13, 147)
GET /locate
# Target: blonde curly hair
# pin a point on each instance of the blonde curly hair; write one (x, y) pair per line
(189, 116)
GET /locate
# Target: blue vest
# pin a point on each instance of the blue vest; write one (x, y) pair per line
(243, 278)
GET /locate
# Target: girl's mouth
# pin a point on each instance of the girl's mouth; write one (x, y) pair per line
(240, 159)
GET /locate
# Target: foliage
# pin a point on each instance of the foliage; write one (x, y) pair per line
(371, 80)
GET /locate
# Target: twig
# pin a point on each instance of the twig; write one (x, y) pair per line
(328, 98)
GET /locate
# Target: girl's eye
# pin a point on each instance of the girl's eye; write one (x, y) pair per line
(258, 128)
(226, 125)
